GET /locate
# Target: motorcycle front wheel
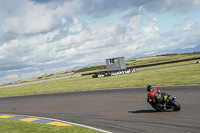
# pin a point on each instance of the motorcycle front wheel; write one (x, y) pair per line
(175, 105)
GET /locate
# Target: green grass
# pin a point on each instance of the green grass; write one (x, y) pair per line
(15, 126)
(180, 75)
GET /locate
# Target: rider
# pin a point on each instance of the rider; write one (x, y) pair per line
(155, 96)
(152, 94)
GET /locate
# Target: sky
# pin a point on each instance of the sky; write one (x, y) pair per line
(39, 37)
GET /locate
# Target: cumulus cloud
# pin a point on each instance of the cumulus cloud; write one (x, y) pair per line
(30, 18)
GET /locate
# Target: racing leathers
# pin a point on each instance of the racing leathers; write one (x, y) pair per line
(152, 95)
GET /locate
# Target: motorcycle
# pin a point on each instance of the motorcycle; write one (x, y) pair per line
(163, 102)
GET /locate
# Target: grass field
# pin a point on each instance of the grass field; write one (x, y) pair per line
(179, 75)
(15, 126)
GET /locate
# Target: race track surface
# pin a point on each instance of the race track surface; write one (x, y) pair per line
(117, 110)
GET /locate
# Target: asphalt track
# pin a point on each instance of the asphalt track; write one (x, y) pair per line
(116, 110)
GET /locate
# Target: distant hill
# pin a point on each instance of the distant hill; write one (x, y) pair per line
(187, 50)
(175, 51)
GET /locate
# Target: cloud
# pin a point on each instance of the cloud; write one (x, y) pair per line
(12, 76)
(102, 8)
(30, 18)
(43, 37)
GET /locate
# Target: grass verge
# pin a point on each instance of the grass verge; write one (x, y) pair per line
(179, 75)
(15, 126)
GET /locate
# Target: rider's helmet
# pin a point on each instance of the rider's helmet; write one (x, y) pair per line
(149, 88)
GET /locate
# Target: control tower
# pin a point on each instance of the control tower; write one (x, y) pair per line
(115, 64)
